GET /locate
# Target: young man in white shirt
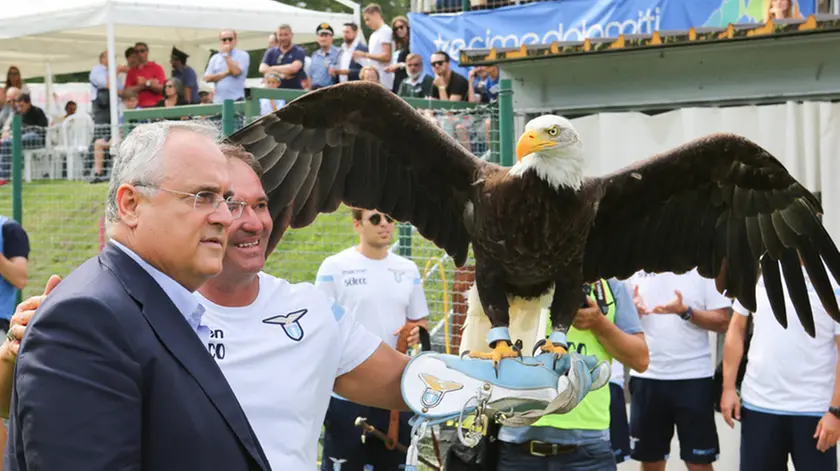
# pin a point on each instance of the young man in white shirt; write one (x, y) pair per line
(790, 391)
(677, 388)
(383, 292)
(283, 348)
(380, 46)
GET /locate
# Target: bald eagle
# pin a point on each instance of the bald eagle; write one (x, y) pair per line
(541, 229)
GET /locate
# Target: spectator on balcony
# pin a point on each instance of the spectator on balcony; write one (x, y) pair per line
(348, 68)
(185, 74)
(33, 132)
(12, 94)
(173, 94)
(448, 85)
(416, 84)
(781, 10)
(285, 60)
(15, 79)
(401, 40)
(381, 46)
(268, 105)
(7, 108)
(146, 79)
(324, 58)
(228, 69)
(370, 74)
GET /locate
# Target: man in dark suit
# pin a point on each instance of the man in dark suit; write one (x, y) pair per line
(113, 372)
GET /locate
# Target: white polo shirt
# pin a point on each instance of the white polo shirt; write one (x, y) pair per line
(381, 294)
(678, 349)
(281, 355)
(378, 39)
(788, 372)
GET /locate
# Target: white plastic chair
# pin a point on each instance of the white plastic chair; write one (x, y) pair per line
(75, 137)
(40, 161)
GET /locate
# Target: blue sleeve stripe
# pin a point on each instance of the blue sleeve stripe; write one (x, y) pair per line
(324, 278)
(417, 281)
(338, 311)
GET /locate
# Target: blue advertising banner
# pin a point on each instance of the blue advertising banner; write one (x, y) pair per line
(573, 20)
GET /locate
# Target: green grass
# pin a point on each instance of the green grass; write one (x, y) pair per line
(62, 220)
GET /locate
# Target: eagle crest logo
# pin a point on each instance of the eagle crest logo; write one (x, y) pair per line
(398, 274)
(290, 323)
(436, 389)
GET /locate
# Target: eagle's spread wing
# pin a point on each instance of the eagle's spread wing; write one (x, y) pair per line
(721, 204)
(360, 144)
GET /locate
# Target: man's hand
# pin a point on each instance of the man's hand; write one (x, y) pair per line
(828, 432)
(141, 81)
(225, 48)
(589, 317)
(637, 300)
(730, 406)
(357, 54)
(439, 82)
(23, 314)
(676, 305)
(413, 335)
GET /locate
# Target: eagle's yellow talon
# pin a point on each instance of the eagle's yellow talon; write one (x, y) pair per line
(501, 350)
(557, 350)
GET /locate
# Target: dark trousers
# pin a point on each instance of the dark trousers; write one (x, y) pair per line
(343, 444)
(768, 439)
(596, 456)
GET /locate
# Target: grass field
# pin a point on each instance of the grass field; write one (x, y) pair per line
(62, 220)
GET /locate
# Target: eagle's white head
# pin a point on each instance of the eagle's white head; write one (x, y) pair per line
(551, 147)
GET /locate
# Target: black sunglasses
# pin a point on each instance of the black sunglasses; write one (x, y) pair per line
(226, 40)
(375, 219)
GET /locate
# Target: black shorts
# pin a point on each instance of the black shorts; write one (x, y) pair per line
(619, 428)
(656, 406)
(768, 439)
(342, 439)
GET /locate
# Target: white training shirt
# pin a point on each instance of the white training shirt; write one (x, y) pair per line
(617, 373)
(788, 372)
(281, 355)
(678, 349)
(381, 294)
(378, 38)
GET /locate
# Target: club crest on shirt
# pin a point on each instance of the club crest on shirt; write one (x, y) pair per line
(398, 274)
(290, 323)
(435, 389)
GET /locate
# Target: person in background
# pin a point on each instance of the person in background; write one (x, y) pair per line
(607, 328)
(324, 58)
(14, 259)
(34, 125)
(381, 47)
(15, 79)
(268, 105)
(384, 292)
(677, 389)
(348, 67)
(401, 39)
(791, 387)
(286, 60)
(416, 84)
(129, 102)
(228, 69)
(173, 94)
(146, 78)
(186, 74)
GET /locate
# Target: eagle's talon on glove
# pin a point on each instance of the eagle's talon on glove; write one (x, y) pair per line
(503, 349)
(556, 348)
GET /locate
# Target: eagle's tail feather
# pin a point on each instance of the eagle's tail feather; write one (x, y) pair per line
(526, 317)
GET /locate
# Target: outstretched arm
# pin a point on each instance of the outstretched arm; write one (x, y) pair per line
(376, 382)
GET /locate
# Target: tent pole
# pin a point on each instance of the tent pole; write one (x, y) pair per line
(113, 81)
(48, 79)
(356, 7)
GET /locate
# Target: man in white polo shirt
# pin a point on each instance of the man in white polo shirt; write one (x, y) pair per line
(677, 312)
(384, 292)
(790, 391)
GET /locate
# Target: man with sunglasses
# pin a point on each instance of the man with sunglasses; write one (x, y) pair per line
(228, 69)
(384, 292)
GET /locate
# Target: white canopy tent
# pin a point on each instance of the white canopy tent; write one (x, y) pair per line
(46, 37)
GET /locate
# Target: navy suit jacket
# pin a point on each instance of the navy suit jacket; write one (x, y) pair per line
(110, 376)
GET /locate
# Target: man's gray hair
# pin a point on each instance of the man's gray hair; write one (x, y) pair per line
(139, 159)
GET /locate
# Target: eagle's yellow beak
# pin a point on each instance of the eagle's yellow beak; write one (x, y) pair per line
(530, 142)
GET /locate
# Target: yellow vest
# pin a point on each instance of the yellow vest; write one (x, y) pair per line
(593, 413)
